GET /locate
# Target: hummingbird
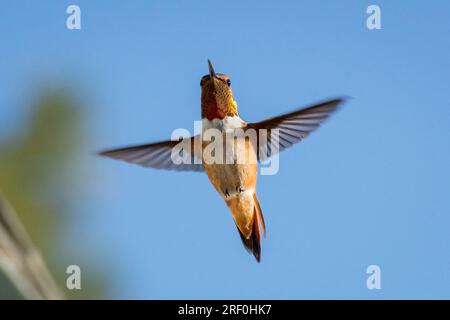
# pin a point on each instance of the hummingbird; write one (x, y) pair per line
(234, 181)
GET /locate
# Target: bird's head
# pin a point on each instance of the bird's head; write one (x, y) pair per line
(217, 96)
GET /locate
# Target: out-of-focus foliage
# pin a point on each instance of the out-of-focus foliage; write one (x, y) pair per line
(38, 171)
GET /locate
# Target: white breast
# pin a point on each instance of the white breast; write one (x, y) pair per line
(228, 123)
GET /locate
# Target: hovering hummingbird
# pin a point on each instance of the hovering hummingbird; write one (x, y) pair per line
(234, 181)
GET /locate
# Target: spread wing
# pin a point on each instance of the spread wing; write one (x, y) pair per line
(292, 127)
(160, 155)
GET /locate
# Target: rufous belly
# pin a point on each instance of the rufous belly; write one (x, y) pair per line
(234, 178)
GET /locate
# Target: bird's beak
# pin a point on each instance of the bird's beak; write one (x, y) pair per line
(212, 74)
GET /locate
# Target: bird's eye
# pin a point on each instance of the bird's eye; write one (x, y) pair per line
(228, 82)
(201, 82)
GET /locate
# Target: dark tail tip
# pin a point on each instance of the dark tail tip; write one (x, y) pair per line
(253, 243)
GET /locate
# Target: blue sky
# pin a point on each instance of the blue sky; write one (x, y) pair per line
(370, 187)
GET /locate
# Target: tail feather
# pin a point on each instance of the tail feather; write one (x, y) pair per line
(259, 214)
(253, 242)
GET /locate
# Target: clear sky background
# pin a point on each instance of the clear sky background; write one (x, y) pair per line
(372, 186)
